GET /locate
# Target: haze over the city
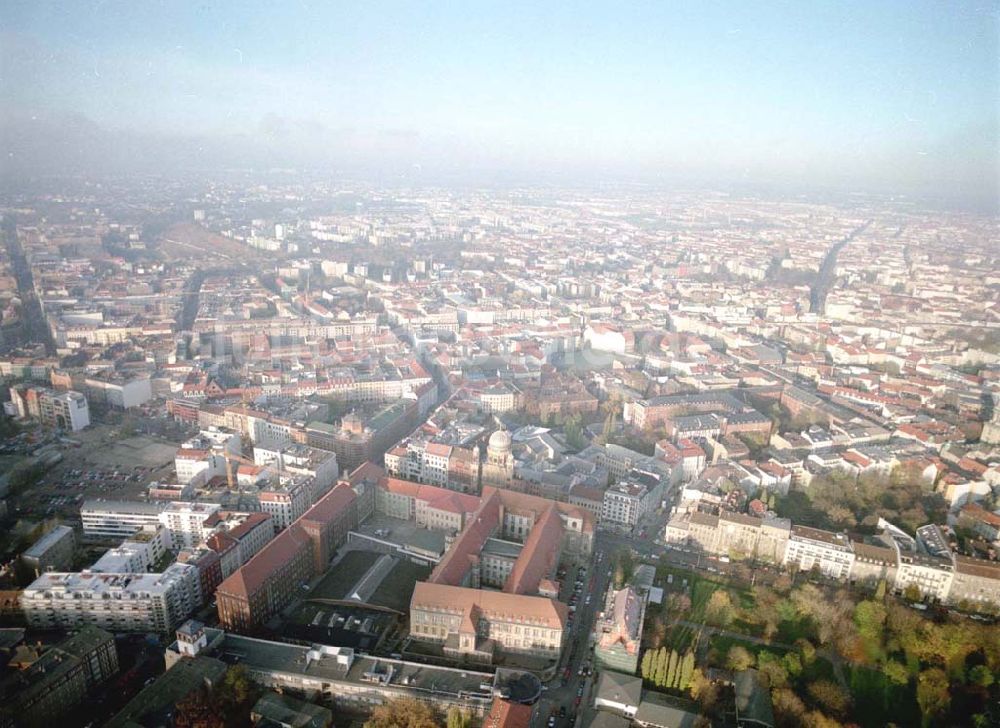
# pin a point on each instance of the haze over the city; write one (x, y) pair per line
(898, 97)
(521, 365)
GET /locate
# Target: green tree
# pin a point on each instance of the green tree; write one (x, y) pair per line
(933, 695)
(704, 691)
(792, 664)
(982, 676)
(624, 567)
(880, 590)
(574, 433)
(896, 672)
(458, 718)
(912, 593)
(789, 710)
(833, 698)
(645, 665)
(719, 609)
(806, 650)
(233, 697)
(738, 658)
(671, 676)
(686, 670)
(403, 713)
(660, 670)
(199, 709)
(772, 666)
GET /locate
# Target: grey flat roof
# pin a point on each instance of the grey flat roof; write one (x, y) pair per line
(123, 506)
(286, 710)
(426, 540)
(502, 548)
(149, 707)
(654, 711)
(404, 533)
(291, 659)
(40, 546)
(619, 687)
(86, 640)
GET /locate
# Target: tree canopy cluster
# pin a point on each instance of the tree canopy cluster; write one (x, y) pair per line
(836, 500)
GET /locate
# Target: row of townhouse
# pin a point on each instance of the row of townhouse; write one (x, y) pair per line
(175, 525)
(66, 410)
(457, 467)
(902, 561)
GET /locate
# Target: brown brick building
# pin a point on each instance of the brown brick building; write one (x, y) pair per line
(267, 582)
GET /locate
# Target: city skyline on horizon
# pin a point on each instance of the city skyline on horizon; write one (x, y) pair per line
(887, 98)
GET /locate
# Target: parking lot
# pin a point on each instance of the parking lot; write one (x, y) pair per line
(96, 464)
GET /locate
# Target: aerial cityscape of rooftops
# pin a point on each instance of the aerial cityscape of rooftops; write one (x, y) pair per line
(404, 413)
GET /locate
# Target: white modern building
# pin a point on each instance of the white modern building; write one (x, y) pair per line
(185, 523)
(138, 554)
(498, 399)
(286, 501)
(120, 393)
(321, 465)
(423, 462)
(627, 503)
(114, 519)
(831, 553)
(115, 602)
(204, 457)
(65, 410)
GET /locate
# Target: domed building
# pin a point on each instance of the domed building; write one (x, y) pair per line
(498, 470)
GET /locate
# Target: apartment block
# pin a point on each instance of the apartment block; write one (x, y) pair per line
(116, 602)
(186, 522)
(59, 680)
(119, 519)
(830, 553)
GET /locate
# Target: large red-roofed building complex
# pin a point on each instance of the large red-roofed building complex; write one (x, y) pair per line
(267, 582)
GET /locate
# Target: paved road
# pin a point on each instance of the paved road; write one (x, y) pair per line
(565, 689)
(36, 329)
(824, 279)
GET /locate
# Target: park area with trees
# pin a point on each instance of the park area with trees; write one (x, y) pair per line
(830, 655)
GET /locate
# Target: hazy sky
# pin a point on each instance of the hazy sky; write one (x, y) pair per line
(853, 93)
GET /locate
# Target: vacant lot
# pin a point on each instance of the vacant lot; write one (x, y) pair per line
(190, 241)
(139, 450)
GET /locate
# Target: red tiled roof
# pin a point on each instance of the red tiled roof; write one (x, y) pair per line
(365, 471)
(191, 453)
(278, 552)
(249, 523)
(451, 501)
(330, 505)
(221, 542)
(493, 604)
(436, 448)
(435, 497)
(286, 546)
(977, 512)
(451, 569)
(538, 556)
(504, 714)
